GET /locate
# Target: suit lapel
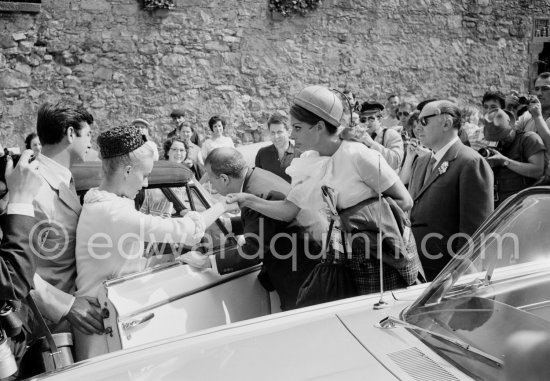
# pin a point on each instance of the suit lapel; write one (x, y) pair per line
(449, 156)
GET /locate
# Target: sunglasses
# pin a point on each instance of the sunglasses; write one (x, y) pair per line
(403, 113)
(541, 88)
(424, 120)
(365, 118)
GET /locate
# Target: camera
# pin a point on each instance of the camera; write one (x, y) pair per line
(14, 153)
(10, 326)
(527, 99)
(485, 152)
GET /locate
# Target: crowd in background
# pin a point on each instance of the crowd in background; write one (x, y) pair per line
(446, 165)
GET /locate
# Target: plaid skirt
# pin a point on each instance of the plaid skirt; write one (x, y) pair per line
(365, 270)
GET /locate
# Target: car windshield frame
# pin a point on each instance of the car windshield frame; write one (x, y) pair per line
(475, 301)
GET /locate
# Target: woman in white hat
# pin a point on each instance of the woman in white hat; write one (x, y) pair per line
(354, 171)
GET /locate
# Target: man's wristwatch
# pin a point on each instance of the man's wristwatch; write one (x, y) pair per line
(506, 163)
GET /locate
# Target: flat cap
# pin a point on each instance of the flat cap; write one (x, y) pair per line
(177, 112)
(120, 141)
(371, 107)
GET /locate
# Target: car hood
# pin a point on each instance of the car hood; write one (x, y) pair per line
(331, 342)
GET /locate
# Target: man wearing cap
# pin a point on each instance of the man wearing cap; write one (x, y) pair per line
(178, 116)
(387, 141)
(145, 127)
(518, 160)
(452, 188)
(111, 232)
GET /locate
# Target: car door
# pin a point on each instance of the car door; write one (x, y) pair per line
(173, 298)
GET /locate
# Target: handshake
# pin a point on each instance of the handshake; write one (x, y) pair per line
(233, 202)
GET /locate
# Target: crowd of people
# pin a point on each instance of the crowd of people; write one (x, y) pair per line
(447, 166)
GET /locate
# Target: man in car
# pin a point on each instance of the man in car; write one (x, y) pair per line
(64, 129)
(285, 266)
(278, 156)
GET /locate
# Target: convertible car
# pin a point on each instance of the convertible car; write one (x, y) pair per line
(455, 328)
(170, 297)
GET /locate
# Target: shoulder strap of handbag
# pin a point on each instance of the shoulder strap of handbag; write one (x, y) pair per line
(54, 351)
(384, 136)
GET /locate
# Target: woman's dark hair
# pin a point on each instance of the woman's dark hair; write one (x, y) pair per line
(29, 139)
(308, 117)
(214, 120)
(168, 144)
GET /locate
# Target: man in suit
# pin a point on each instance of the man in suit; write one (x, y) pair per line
(65, 131)
(452, 188)
(286, 267)
(17, 262)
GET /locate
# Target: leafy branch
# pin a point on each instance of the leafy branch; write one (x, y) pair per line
(158, 4)
(290, 7)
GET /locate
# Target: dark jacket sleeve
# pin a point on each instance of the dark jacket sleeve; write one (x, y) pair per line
(17, 262)
(258, 160)
(476, 195)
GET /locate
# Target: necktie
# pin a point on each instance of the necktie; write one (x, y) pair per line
(429, 169)
(373, 135)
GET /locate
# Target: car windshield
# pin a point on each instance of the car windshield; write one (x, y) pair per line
(496, 286)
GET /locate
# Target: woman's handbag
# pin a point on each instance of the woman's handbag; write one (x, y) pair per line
(363, 222)
(49, 352)
(329, 280)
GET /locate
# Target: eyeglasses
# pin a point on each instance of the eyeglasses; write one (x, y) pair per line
(403, 113)
(424, 120)
(541, 88)
(365, 118)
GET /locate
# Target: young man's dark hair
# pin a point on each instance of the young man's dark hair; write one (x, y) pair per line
(55, 118)
(495, 96)
(277, 118)
(214, 120)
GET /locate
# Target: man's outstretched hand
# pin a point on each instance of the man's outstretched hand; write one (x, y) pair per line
(85, 315)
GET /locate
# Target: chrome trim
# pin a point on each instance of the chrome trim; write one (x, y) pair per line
(137, 321)
(226, 279)
(152, 270)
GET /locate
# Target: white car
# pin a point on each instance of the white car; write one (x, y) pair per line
(452, 329)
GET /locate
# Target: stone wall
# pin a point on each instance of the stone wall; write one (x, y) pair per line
(232, 58)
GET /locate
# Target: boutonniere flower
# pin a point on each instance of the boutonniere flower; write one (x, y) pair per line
(443, 167)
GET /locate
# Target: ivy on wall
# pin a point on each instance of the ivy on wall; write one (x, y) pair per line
(290, 7)
(158, 4)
